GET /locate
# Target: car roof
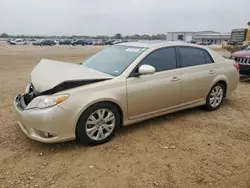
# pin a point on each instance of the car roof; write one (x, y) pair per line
(158, 44)
(152, 45)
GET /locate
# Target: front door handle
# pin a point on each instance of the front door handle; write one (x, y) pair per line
(211, 72)
(175, 78)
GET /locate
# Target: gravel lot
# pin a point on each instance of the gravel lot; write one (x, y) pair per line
(188, 149)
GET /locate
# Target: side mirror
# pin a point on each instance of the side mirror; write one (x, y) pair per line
(146, 69)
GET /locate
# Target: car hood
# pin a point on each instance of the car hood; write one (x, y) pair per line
(243, 53)
(49, 73)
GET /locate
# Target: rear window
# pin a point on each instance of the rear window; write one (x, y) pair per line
(208, 57)
(190, 56)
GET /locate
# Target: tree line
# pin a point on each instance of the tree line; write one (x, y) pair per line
(116, 36)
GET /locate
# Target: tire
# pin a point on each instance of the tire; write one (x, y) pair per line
(215, 97)
(93, 135)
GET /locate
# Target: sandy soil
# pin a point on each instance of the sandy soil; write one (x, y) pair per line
(188, 149)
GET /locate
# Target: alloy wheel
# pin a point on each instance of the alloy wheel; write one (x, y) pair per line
(216, 96)
(100, 124)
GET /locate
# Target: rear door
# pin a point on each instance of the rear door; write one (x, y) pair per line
(147, 94)
(198, 72)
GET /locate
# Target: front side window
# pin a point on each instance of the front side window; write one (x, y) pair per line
(114, 60)
(191, 56)
(162, 59)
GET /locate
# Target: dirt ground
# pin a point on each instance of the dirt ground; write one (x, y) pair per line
(188, 149)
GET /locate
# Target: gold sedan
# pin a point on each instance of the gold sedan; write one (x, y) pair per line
(121, 85)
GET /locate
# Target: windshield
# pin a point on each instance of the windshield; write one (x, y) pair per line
(248, 48)
(114, 60)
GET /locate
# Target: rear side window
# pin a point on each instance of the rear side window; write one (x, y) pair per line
(191, 56)
(208, 57)
(162, 59)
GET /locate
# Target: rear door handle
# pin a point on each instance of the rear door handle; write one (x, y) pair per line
(175, 78)
(211, 72)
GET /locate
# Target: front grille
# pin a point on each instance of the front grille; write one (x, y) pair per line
(30, 95)
(20, 102)
(243, 61)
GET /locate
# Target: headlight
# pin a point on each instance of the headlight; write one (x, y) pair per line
(46, 101)
(232, 57)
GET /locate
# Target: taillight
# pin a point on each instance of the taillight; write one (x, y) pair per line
(236, 65)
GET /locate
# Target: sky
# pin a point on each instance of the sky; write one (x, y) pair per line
(108, 17)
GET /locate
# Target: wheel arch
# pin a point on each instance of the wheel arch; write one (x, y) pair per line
(223, 80)
(225, 86)
(118, 107)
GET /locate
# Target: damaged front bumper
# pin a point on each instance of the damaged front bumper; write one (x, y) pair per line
(49, 125)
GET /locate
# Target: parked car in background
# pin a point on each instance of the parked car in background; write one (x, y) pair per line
(109, 42)
(117, 42)
(37, 42)
(79, 42)
(89, 42)
(18, 42)
(98, 43)
(45, 42)
(8, 41)
(65, 42)
(204, 43)
(243, 59)
(121, 85)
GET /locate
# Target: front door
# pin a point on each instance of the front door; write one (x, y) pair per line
(147, 94)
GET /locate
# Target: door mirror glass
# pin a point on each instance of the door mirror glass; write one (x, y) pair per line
(146, 69)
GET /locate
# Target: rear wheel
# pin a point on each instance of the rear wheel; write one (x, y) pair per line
(215, 97)
(98, 124)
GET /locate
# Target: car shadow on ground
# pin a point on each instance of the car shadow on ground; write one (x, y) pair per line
(244, 78)
(76, 144)
(157, 121)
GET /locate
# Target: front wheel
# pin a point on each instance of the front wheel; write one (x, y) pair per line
(98, 124)
(215, 97)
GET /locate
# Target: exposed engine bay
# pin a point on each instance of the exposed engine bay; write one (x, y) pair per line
(31, 93)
